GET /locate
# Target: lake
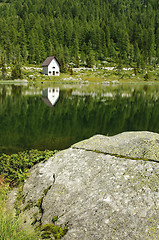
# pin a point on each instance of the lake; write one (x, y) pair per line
(47, 116)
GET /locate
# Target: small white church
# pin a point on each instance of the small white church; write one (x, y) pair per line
(51, 66)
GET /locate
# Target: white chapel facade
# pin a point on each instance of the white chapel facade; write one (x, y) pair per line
(51, 66)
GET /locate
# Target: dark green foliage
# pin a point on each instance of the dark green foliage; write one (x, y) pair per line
(90, 60)
(15, 167)
(70, 70)
(146, 77)
(16, 71)
(3, 68)
(63, 66)
(31, 30)
(77, 64)
(51, 229)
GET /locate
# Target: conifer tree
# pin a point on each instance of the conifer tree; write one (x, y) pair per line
(16, 71)
(90, 59)
(39, 27)
(62, 65)
(77, 61)
(3, 68)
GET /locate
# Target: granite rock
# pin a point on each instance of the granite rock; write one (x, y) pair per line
(101, 188)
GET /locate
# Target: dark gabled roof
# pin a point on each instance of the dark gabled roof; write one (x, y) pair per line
(48, 61)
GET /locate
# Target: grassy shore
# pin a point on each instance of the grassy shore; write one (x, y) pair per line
(100, 74)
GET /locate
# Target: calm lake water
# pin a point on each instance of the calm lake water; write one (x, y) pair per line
(56, 116)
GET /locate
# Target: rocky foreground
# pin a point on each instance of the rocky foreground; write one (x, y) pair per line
(101, 188)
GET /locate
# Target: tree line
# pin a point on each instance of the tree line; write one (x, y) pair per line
(80, 31)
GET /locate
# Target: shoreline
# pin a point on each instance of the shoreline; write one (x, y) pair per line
(87, 75)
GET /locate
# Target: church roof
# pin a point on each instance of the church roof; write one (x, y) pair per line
(48, 61)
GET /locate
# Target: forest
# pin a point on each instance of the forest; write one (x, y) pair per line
(81, 32)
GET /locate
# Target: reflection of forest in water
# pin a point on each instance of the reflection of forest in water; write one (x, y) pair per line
(27, 122)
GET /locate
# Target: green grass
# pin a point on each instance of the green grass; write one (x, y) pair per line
(10, 227)
(33, 74)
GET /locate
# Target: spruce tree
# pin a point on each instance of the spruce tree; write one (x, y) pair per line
(62, 65)
(111, 27)
(3, 68)
(16, 71)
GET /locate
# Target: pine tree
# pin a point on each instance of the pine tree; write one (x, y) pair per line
(3, 68)
(16, 71)
(62, 65)
(90, 59)
(137, 55)
(77, 64)
(112, 27)
(157, 55)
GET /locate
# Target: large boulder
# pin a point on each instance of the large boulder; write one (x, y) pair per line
(101, 188)
(137, 145)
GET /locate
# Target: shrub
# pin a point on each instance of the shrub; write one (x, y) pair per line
(15, 167)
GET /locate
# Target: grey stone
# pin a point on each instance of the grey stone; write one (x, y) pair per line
(142, 145)
(10, 203)
(98, 195)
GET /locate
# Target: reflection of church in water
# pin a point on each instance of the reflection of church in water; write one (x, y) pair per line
(50, 96)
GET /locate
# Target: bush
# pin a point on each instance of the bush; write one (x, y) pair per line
(15, 167)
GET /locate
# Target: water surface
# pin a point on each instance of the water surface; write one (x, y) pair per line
(29, 118)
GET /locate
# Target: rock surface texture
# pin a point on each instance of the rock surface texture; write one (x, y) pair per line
(101, 188)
